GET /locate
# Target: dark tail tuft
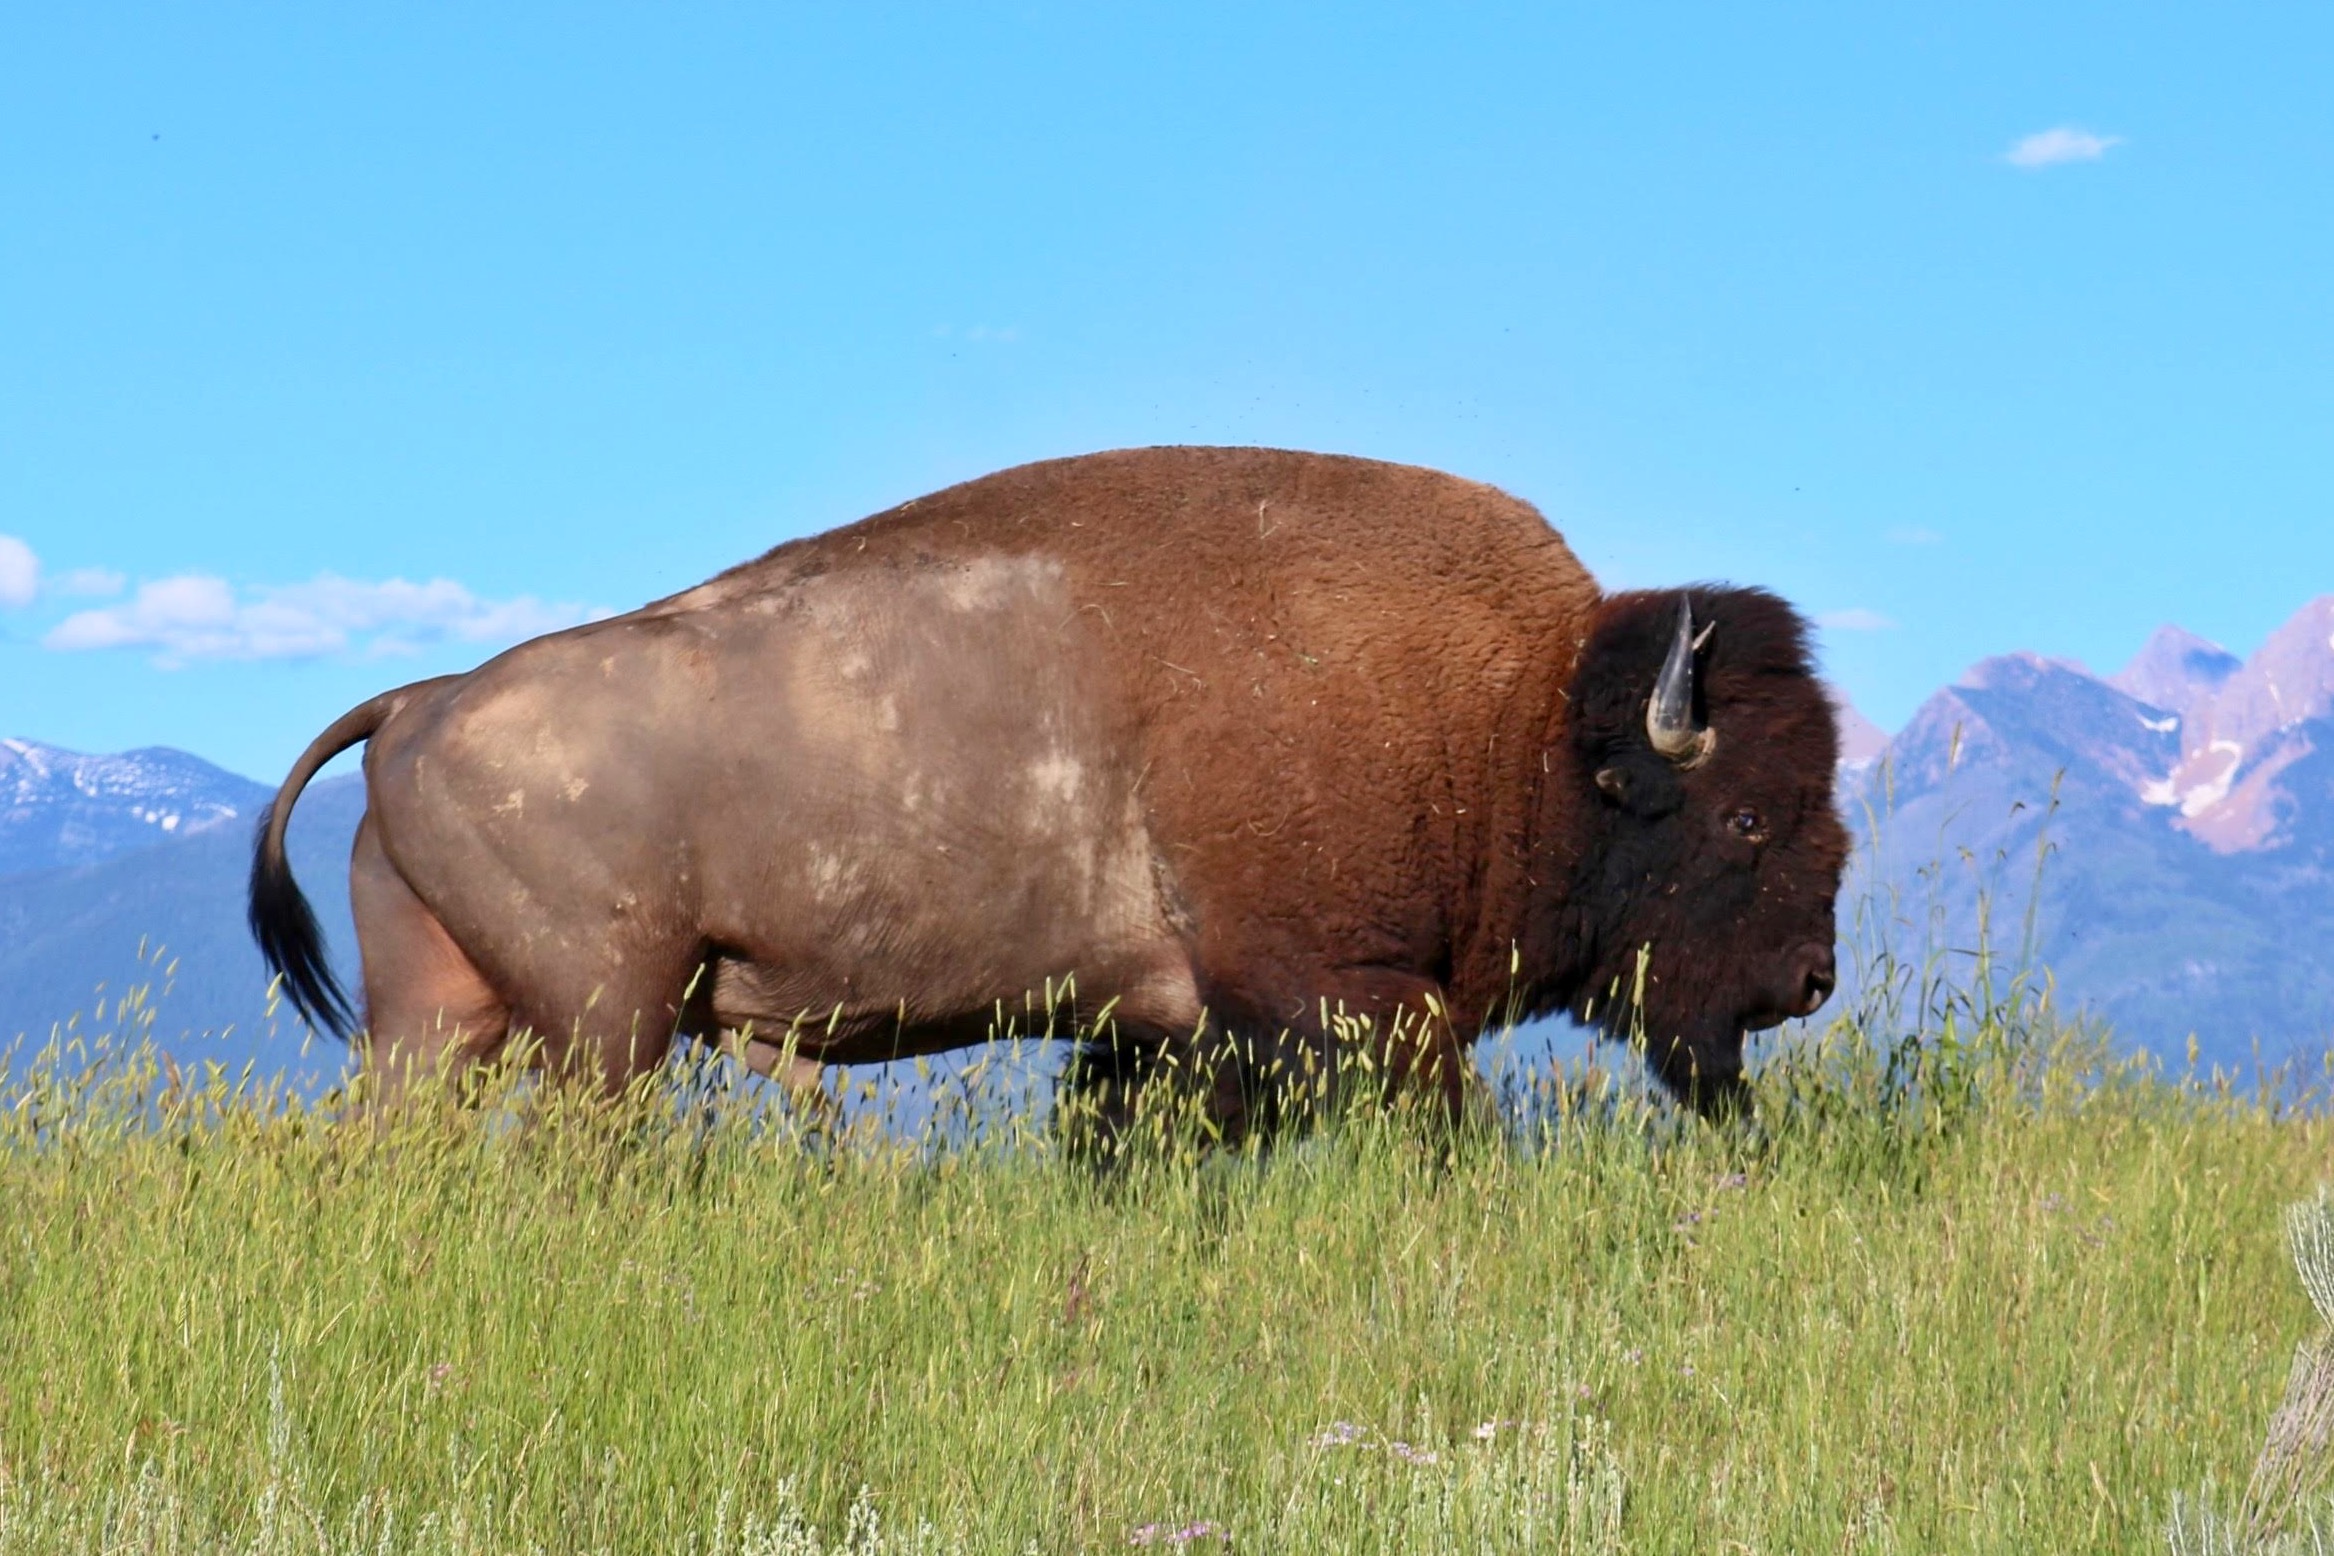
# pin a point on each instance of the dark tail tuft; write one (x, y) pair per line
(288, 935)
(281, 920)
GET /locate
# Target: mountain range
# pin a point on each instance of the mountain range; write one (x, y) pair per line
(2177, 814)
(126, 872)
(2169, 827)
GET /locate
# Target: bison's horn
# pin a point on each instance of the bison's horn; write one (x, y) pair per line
(1669, 715)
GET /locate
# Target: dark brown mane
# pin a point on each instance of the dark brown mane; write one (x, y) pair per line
(1659, 872)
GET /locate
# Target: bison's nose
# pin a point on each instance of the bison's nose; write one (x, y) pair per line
(1814, 977)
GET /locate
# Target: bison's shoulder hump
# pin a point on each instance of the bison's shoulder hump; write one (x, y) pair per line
(1175, 508)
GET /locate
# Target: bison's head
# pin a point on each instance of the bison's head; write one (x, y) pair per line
(1709, 851)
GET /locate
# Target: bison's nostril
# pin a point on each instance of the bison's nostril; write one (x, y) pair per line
(1819, 989)
(1817, 979)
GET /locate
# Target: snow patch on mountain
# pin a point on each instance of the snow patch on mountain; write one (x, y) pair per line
(62, 808)
(2242, 724)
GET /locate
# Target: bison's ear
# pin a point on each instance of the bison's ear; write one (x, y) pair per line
(1645, 787)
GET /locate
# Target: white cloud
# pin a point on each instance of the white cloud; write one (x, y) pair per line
(101, 583)
(20, 572)
(193, 617)
(1914, 535)
(2059, 144)
(22, 582)
(1856, 618)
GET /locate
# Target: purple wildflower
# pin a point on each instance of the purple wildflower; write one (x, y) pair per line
(1160, 1534)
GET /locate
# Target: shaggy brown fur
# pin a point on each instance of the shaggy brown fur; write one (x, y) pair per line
(1234, 737)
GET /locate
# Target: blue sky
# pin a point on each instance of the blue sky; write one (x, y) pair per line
(338, 349)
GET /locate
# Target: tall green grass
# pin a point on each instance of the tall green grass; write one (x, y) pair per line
(1998, 1293)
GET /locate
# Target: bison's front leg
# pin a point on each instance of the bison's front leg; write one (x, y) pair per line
(1124, 1079)
(1386, 1034)
(1260, 1062)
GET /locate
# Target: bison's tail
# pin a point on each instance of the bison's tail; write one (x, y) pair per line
(281, 920)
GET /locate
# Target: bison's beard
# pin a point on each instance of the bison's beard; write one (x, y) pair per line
(1698, 1060)
(1701, 1069)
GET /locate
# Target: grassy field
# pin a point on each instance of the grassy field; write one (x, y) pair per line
(2008, 1300)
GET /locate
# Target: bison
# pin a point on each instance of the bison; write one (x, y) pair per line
(1228, 741)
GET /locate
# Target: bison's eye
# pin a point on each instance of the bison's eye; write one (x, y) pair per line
(1747, 824)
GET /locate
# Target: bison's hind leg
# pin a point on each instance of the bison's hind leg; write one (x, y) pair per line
(426, 1004)
(1128, 1083)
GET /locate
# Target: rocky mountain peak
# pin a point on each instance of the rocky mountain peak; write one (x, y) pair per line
(62, 808)
(1861, 740)
(2212, 745)
(2176, 670)
(2036, 718)
(2019, 671)
(2237, 742)
(2288, 681)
